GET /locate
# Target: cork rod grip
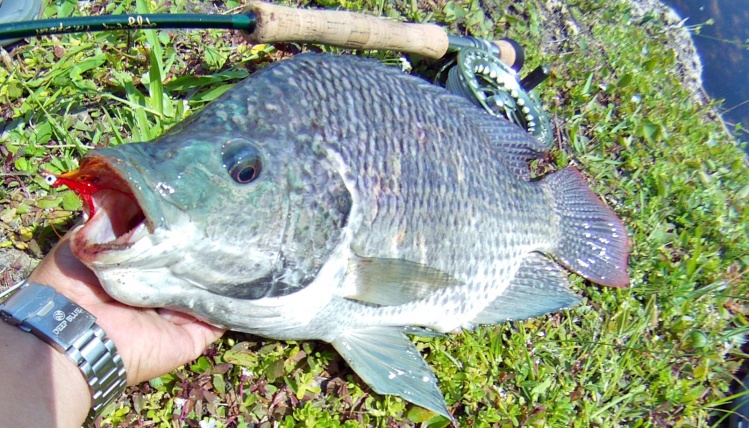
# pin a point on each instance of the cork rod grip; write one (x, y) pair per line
(344, 29)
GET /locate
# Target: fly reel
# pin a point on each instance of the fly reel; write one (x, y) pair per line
(481, 77)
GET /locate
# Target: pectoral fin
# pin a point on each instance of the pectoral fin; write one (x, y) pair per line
(390, 364)
(391, 282)
(540, 286)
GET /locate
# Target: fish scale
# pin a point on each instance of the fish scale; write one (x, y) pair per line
(376, 150)
(383, 207)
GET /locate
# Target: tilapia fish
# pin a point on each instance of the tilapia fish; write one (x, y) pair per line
(333, 198)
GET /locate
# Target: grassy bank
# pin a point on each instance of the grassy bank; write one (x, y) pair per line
(661, 353)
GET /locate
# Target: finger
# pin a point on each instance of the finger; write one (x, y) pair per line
(202, 336)
(200, 333)
(175, 317)
(174, 345)
(62, 270)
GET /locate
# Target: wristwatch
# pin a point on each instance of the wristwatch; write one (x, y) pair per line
(67, 327)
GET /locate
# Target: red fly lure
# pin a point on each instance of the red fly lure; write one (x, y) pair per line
(93, 176)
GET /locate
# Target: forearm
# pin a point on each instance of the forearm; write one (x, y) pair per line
(41, 387)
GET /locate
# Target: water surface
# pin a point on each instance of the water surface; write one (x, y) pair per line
(724, 50)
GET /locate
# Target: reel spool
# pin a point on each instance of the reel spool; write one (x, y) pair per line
(481, 77)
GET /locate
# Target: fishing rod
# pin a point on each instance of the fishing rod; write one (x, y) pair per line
(484, 71)
(267, 23)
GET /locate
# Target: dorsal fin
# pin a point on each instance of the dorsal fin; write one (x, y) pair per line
(514, 145)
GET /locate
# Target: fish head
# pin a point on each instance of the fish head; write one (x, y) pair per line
(199, 216)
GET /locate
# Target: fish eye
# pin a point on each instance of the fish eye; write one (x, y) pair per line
(242, 160)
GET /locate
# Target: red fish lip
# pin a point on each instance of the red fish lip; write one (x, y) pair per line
(113, 218)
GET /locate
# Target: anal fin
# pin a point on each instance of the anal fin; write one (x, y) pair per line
(540, 286)
(390, 364)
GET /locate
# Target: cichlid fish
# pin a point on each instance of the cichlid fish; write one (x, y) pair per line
(333, 198)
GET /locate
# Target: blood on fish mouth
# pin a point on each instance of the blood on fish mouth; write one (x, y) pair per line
(113, 218)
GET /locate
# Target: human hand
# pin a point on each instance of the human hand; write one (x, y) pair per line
(151, 342)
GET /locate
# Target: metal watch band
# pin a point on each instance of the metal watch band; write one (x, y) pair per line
(70, 329)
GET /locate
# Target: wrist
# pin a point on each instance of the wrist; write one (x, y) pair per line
(41, 387)
(71, 334)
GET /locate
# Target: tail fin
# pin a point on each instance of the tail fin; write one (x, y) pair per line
(594, 241)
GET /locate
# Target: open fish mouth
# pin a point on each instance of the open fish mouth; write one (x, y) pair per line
(113, 219)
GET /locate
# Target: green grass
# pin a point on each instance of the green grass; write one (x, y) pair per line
(661, 353)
